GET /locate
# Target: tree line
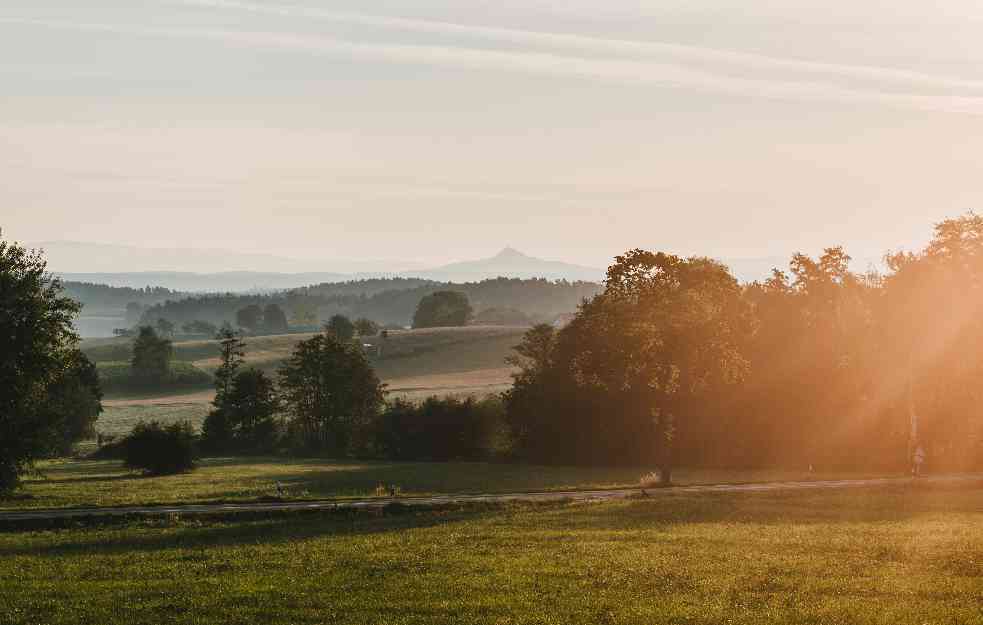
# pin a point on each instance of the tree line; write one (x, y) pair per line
(326, 398)
(535, 299)
(676, 363)
(673, 363)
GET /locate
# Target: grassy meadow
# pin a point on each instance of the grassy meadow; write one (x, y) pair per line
(64, 483)
(119, 419)
(910, 555)
(466, 362)
(405, 353)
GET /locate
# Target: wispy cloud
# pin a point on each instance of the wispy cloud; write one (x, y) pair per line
(651, 70)
(667, 52)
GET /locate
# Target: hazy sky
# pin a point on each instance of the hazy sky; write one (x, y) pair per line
(433, 130)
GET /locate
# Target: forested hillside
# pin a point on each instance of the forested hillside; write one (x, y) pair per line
(100, 298)
(386, 301)
(105, 308)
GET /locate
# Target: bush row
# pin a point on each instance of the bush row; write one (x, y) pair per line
(115, 377)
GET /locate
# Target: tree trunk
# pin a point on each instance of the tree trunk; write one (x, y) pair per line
(666, 453)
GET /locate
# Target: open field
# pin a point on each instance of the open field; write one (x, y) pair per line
(898, 555)
(466, 361)
(404, 353)
(107, 482)
(415, 364)
(118, 420)
(121, 414)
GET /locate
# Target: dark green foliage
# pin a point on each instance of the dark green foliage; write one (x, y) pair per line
(74, 402)
(244, 418)
(386, 301)
(274, 319)
(118, 377)
(233, 350)
(151, 358)
(639, 361)
(366, 327)
(440, 429)
(331, 394)
(250, 317)
(38, 360)
(442, 309)
(160, 450)
(341, 327)
(217, 430)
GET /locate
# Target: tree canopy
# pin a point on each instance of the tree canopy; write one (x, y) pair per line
(41, 369)
(330, 392)
(443, 309)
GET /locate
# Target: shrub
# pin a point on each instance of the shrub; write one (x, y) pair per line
(244, 416)
(117, 377)
(443, 309)
(160, 450)
(440, 429)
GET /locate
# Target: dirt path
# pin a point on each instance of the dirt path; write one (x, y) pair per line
(374, 503)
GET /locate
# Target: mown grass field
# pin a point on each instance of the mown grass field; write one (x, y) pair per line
(894, 556)
(107, 482)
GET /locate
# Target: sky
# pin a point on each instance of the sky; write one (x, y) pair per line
(438, 130)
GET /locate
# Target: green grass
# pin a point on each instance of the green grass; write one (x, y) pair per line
(116, 379)
(406, 352)
(119, 420)
(107, 482)
(853, 557)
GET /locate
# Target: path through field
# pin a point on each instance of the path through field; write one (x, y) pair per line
(381, 502)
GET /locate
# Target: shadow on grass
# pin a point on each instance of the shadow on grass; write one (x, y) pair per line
(846, 511)
(119, 477)
(162, 534)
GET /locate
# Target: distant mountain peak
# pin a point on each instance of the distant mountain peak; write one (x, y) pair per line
(511, 253)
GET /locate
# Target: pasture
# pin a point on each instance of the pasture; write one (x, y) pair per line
(107, 482)
(467, 361)
(403, 353)
(902, 555)
(414, 364)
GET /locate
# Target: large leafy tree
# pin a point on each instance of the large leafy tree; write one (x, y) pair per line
(341, 327)
(274, 319)
(672, 331)
(38, 360)
(443, 309)
(74, 402)
(330, 392)
(933, 330)
(250, 408)
(152, 356)
(636, 361)
(250, 317)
